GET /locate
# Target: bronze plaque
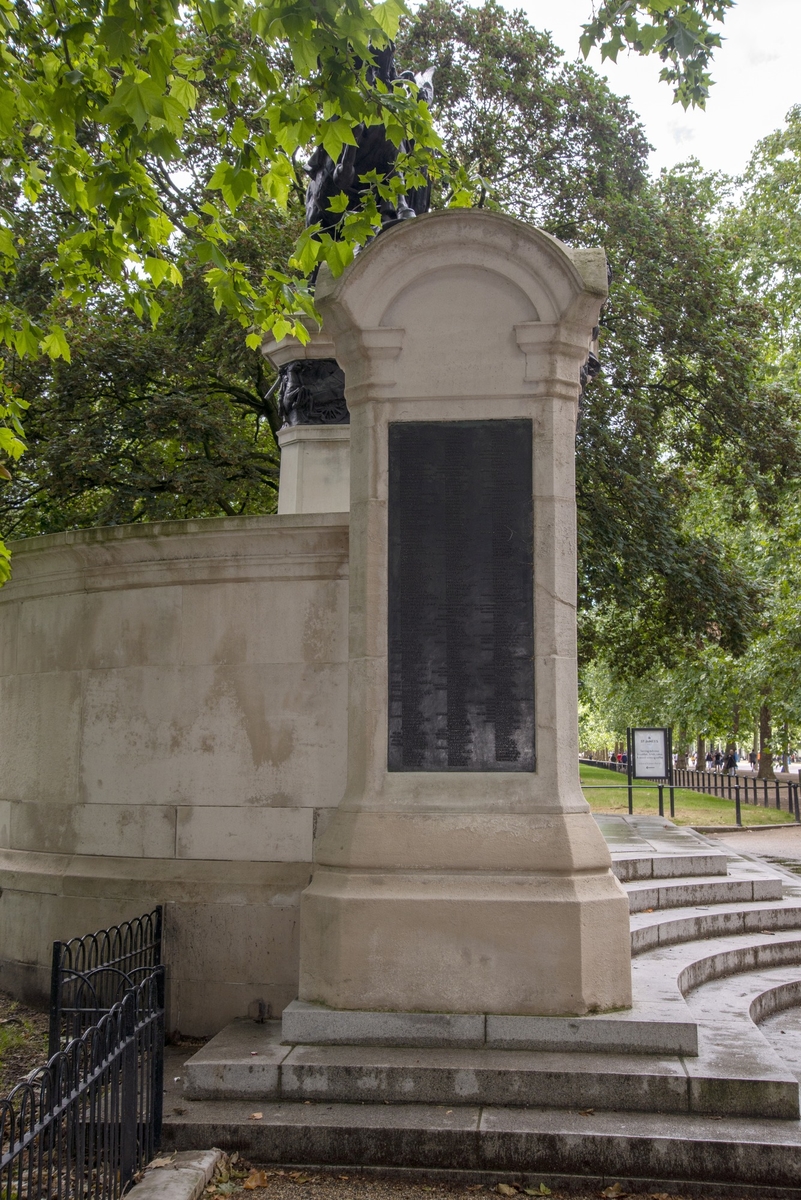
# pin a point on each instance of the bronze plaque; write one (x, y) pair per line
(461, 603)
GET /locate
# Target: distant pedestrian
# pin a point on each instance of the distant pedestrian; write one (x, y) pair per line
(752, 758)
(709, 760)
(730, 765)
(718, 760)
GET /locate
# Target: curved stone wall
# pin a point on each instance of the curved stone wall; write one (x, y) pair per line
(173, 720)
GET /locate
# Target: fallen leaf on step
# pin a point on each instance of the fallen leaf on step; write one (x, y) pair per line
(542, 1190)
(614, 1192)
(256, 1116)
(506, 1189)
(161, 1162)
(586, 1112)
(256, 1179)
(648, 910)
(659, 1196)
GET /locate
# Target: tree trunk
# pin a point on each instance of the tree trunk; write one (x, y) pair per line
(786, 749)
(682, 751)
(765, 748)
(700, 751)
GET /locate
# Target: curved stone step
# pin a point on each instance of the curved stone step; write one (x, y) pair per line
(684, 893)
(650, 930)
(630, 867)
(739, 960)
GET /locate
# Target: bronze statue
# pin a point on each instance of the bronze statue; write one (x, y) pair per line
(312, 391)
(373, 152)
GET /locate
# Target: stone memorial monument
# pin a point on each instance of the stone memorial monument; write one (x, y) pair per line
(462, 872)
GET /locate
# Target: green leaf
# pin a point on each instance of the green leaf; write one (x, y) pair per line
(338, 203)
(184, 92)
(55, 344)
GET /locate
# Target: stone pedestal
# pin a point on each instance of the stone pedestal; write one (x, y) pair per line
(315, 459)
(447, 882)
(315, 469)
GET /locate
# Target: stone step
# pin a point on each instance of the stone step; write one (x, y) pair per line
(753, 1083)
(618, 1033)
(666, 975)
(649, 930)
(757, 995)
(683, 893)
(629, 867)
(642, 1152)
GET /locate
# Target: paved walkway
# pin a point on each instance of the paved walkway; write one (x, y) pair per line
(774, 841)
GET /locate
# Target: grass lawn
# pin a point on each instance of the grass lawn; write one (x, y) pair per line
(692, 808)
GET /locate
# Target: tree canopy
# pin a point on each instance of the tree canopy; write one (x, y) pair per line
(706, 688)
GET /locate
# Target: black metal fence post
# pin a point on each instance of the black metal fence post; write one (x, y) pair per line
(158, 1065)
(628, 771)
(737, 815)
(661, 800)
(129, 1117)
(55, 1000)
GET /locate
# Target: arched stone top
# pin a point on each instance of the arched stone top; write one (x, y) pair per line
(459, 290)
(545, 270)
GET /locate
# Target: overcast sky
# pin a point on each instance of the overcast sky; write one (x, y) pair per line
(757, 76)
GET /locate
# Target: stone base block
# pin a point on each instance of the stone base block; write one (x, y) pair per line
(315, 1025)
(536, 944)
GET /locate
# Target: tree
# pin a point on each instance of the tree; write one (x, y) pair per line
(556, 147)
(101, 100)
(146, 423)
(100, 109)
(680, 33)
(682, 390)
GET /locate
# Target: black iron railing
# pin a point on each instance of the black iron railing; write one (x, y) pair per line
(91, 974)
(81, 1127)
(781, 794)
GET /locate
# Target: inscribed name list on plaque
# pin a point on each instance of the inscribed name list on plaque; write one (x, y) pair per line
(461, 608)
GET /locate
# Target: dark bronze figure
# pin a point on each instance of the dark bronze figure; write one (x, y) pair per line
(312, 391)
(373, 152)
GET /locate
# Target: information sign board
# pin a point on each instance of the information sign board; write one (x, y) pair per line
(650, 754)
